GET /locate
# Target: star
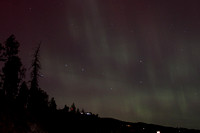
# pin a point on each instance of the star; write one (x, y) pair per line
(141, 61)
(30, 9)
(82, 69)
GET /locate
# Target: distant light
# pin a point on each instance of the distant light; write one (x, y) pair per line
(128, 125)
(158, 132)
(88, 113)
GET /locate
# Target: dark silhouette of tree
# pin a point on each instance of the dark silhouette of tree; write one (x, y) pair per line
(83, 111)
(52, 105)
(12, 70)
(2, 52)
(78, 111)
(22, 97)
(66, 109)
(41, 101)
(1, 75)
(38, 98)
(73, 108)
(35, 70)
(2, 59)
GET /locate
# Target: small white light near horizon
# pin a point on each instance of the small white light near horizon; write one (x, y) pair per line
(88, 113)
(157, 131)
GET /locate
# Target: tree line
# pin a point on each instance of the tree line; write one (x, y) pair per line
(15, 92)
(23, 104)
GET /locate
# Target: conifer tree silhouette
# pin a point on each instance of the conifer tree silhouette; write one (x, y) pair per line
(52, 105)
(2, 95)
(66, 109)
(38, 99)
(35, 70)
(12, 69)
(2, 52)
(73, 108)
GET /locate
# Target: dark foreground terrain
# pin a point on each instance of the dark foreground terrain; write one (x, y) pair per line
(22, 121)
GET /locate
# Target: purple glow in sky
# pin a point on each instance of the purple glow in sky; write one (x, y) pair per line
(134, 60)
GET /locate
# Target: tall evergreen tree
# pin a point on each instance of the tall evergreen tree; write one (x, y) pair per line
(35, 70)
(12, 69)
(52, 105)
(73, 108)
(38, 99)
(66, 109)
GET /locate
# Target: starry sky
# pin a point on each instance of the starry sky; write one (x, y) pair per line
(134, 60)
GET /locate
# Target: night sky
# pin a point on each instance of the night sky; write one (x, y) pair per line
(134, 60)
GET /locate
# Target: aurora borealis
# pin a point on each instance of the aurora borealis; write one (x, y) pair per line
(134, 60)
